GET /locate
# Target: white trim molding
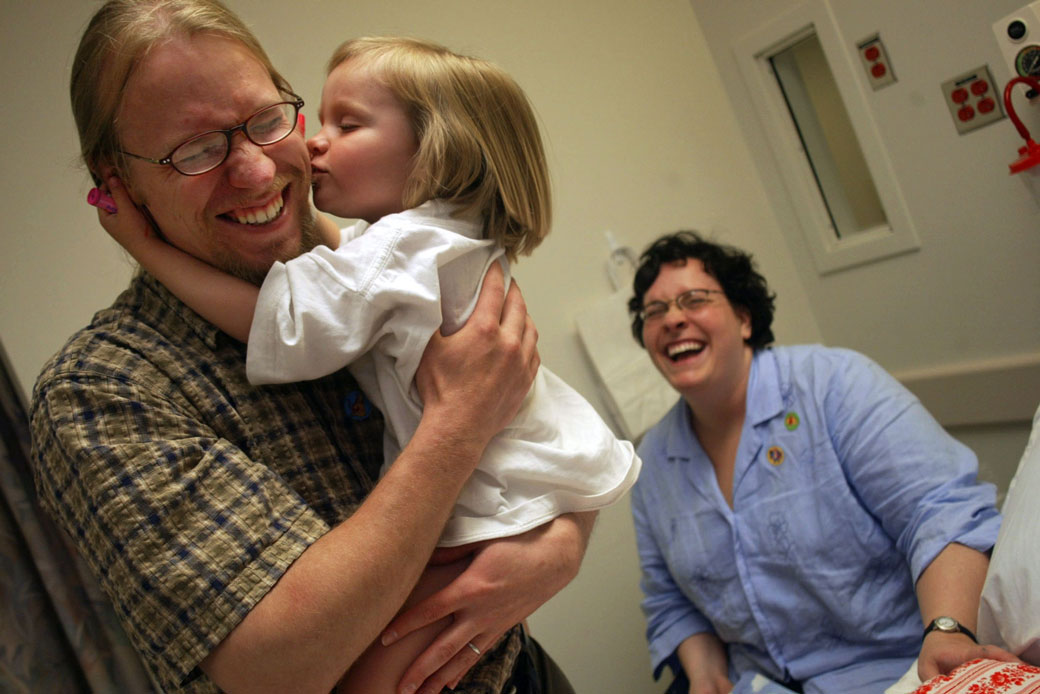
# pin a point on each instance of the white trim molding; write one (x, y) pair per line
(753, 51)
(984, 392)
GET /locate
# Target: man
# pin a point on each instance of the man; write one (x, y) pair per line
(240, 531)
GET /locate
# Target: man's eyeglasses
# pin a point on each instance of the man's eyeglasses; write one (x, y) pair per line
(687, 301)
(209, 150)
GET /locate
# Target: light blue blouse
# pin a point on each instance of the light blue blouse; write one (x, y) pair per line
(845, 489)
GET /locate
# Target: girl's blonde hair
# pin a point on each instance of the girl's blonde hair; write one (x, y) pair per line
(479, 144)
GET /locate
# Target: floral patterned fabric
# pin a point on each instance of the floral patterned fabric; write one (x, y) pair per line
(985, 677)
(58, 634)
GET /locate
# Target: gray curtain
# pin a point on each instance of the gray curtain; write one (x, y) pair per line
(58, 633)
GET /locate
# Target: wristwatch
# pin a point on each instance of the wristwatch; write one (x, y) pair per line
(949, 625)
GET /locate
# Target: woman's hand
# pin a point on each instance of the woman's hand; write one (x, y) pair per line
(943, 652)
(951, 585)
(507, 580)
(703, 659)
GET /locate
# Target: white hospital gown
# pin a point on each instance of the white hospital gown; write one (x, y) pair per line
(373, 304)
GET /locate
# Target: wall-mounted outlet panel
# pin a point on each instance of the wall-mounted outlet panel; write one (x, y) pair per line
(876, 63)
(973, 99)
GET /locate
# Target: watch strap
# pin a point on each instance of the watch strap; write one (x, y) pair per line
(956, 627)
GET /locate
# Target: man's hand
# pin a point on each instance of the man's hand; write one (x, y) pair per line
(943, 652)
(506, 581)
(474, 381)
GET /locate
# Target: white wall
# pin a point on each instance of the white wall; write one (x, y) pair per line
(970, 296)
(972, 291)
(641, 141)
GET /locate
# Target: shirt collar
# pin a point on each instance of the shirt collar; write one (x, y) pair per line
(765, 400)
(162, 300)
(442, 213)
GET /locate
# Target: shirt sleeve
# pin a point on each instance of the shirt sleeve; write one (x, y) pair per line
(671, 617)
(321, 311)
(184, 532)
(914, 477)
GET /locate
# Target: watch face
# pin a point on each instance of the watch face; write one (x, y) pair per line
(946, 624)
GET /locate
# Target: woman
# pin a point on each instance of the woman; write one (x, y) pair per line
(799, 515)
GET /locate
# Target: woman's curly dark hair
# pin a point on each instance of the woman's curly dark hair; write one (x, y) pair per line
(733, 269)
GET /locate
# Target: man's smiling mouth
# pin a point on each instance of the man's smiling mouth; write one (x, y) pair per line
(259, 215)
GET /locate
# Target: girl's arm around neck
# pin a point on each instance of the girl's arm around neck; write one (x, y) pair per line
(224, 300)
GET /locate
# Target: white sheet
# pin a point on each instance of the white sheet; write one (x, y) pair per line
(1009, 614)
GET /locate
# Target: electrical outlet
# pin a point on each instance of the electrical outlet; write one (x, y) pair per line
(874, 57)
(973, 99)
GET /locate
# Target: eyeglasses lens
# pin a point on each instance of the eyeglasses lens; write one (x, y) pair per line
(687, 301)
(200, 154)
(271, 124)
(208, 151)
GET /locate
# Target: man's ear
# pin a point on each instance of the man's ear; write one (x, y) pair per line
(106, 171)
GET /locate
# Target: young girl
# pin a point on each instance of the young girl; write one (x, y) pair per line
(440, 156)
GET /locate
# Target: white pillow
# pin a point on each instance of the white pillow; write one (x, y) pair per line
(1009, 613)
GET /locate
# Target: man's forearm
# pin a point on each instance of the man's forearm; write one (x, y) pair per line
(336, 597)
(583, 523)
(357, 574)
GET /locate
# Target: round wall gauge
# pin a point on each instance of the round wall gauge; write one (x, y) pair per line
(1027, 62)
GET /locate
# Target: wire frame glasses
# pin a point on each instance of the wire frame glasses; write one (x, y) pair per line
(687, 301)
(208, 150)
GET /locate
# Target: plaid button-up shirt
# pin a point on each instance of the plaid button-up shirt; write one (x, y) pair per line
(189, 491)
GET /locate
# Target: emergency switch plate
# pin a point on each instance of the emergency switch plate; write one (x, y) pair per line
(874, 57)
(973, 99)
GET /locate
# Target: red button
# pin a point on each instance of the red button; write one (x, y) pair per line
(966, 113)
(979, 87)
(959, 96)
(878, 70)
(872, 53)
(986, 105)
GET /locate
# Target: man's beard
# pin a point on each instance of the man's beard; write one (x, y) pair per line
(309, 239)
